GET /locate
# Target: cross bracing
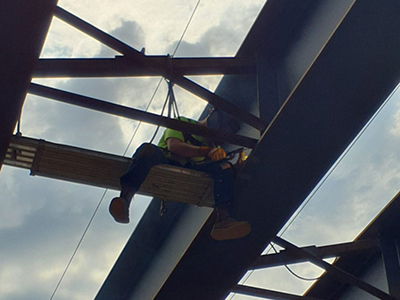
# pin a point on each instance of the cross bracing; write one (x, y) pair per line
(281, 148)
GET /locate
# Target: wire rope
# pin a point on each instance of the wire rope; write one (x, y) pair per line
(292, 272)
(126, 150)
(79, 244)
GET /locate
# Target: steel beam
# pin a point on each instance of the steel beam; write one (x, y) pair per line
(288, 256)
(127, 112)
(329, 106)
(121, 66)
(391, 260)
(340, 274)
(24, 24)
(268, 294)
(146, 62)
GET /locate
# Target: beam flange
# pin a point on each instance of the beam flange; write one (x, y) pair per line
(24, 24)
(127, 112)
(289, 256)
(120, 66)
(340, 274)
(390, 257)
(267, 294)
(143, 61)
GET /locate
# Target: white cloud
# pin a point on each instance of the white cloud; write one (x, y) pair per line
(42, 220)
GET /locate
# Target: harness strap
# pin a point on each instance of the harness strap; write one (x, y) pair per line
(191, 139)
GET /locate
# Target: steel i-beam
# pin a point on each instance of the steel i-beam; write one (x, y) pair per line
(290, 257)
(171, 74)
(268, 294)
(340, 274)
(390, 256)
(115, 109)
(122, 66)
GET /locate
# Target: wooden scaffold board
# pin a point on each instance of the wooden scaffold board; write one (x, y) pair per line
(101, 169)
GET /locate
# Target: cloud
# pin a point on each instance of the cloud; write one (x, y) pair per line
(42, 220)
(42, 244)
(128, 32)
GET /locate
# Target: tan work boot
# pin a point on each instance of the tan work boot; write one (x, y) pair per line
(119, 210)
(230, 229)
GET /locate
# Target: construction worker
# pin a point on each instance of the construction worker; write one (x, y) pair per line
(190, 151)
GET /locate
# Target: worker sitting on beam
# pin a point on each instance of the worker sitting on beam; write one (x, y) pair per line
(189, 151)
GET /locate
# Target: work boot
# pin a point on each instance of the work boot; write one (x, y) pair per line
(119, 210)
(230, 229)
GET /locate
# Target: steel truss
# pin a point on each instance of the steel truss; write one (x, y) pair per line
(154, 65)
(293, 254)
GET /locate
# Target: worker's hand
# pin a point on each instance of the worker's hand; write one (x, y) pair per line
(216, 154)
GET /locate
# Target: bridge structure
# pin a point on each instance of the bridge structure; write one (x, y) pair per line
(306, 80)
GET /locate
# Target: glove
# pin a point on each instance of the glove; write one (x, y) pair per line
(216, 154)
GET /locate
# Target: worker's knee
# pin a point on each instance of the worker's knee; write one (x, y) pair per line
(225, 165)
(226, 174)
(146, 150)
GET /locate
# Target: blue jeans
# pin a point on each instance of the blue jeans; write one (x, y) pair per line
(149, 155)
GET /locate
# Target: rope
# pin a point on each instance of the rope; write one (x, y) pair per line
(19, 133)
(129, 144)
(292, 272)
(170, 90)
(172, 106)
(79, 243)
(186, 28)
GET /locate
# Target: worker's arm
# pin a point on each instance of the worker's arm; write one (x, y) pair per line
(185, 150)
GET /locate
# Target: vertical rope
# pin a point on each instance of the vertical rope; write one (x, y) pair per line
(130, 142)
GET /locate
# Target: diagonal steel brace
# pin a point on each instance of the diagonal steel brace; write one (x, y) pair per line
(333, 270)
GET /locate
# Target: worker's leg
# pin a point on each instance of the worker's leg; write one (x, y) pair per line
(226, 227)
(223, 175)
(145, 157)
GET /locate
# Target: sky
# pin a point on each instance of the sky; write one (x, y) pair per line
(42, 220)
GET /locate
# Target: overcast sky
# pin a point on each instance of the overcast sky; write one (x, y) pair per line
(42, 220)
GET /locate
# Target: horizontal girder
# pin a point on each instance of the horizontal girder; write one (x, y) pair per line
(121, 66)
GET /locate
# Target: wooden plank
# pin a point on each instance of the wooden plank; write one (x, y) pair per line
(104, 170)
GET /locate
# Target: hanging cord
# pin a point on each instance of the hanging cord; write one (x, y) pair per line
(19, 133)
(186, 28)
(126, 150)
(100, 202)
(177, 47)
(79, 244)
(292, 272)
(172, 107)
